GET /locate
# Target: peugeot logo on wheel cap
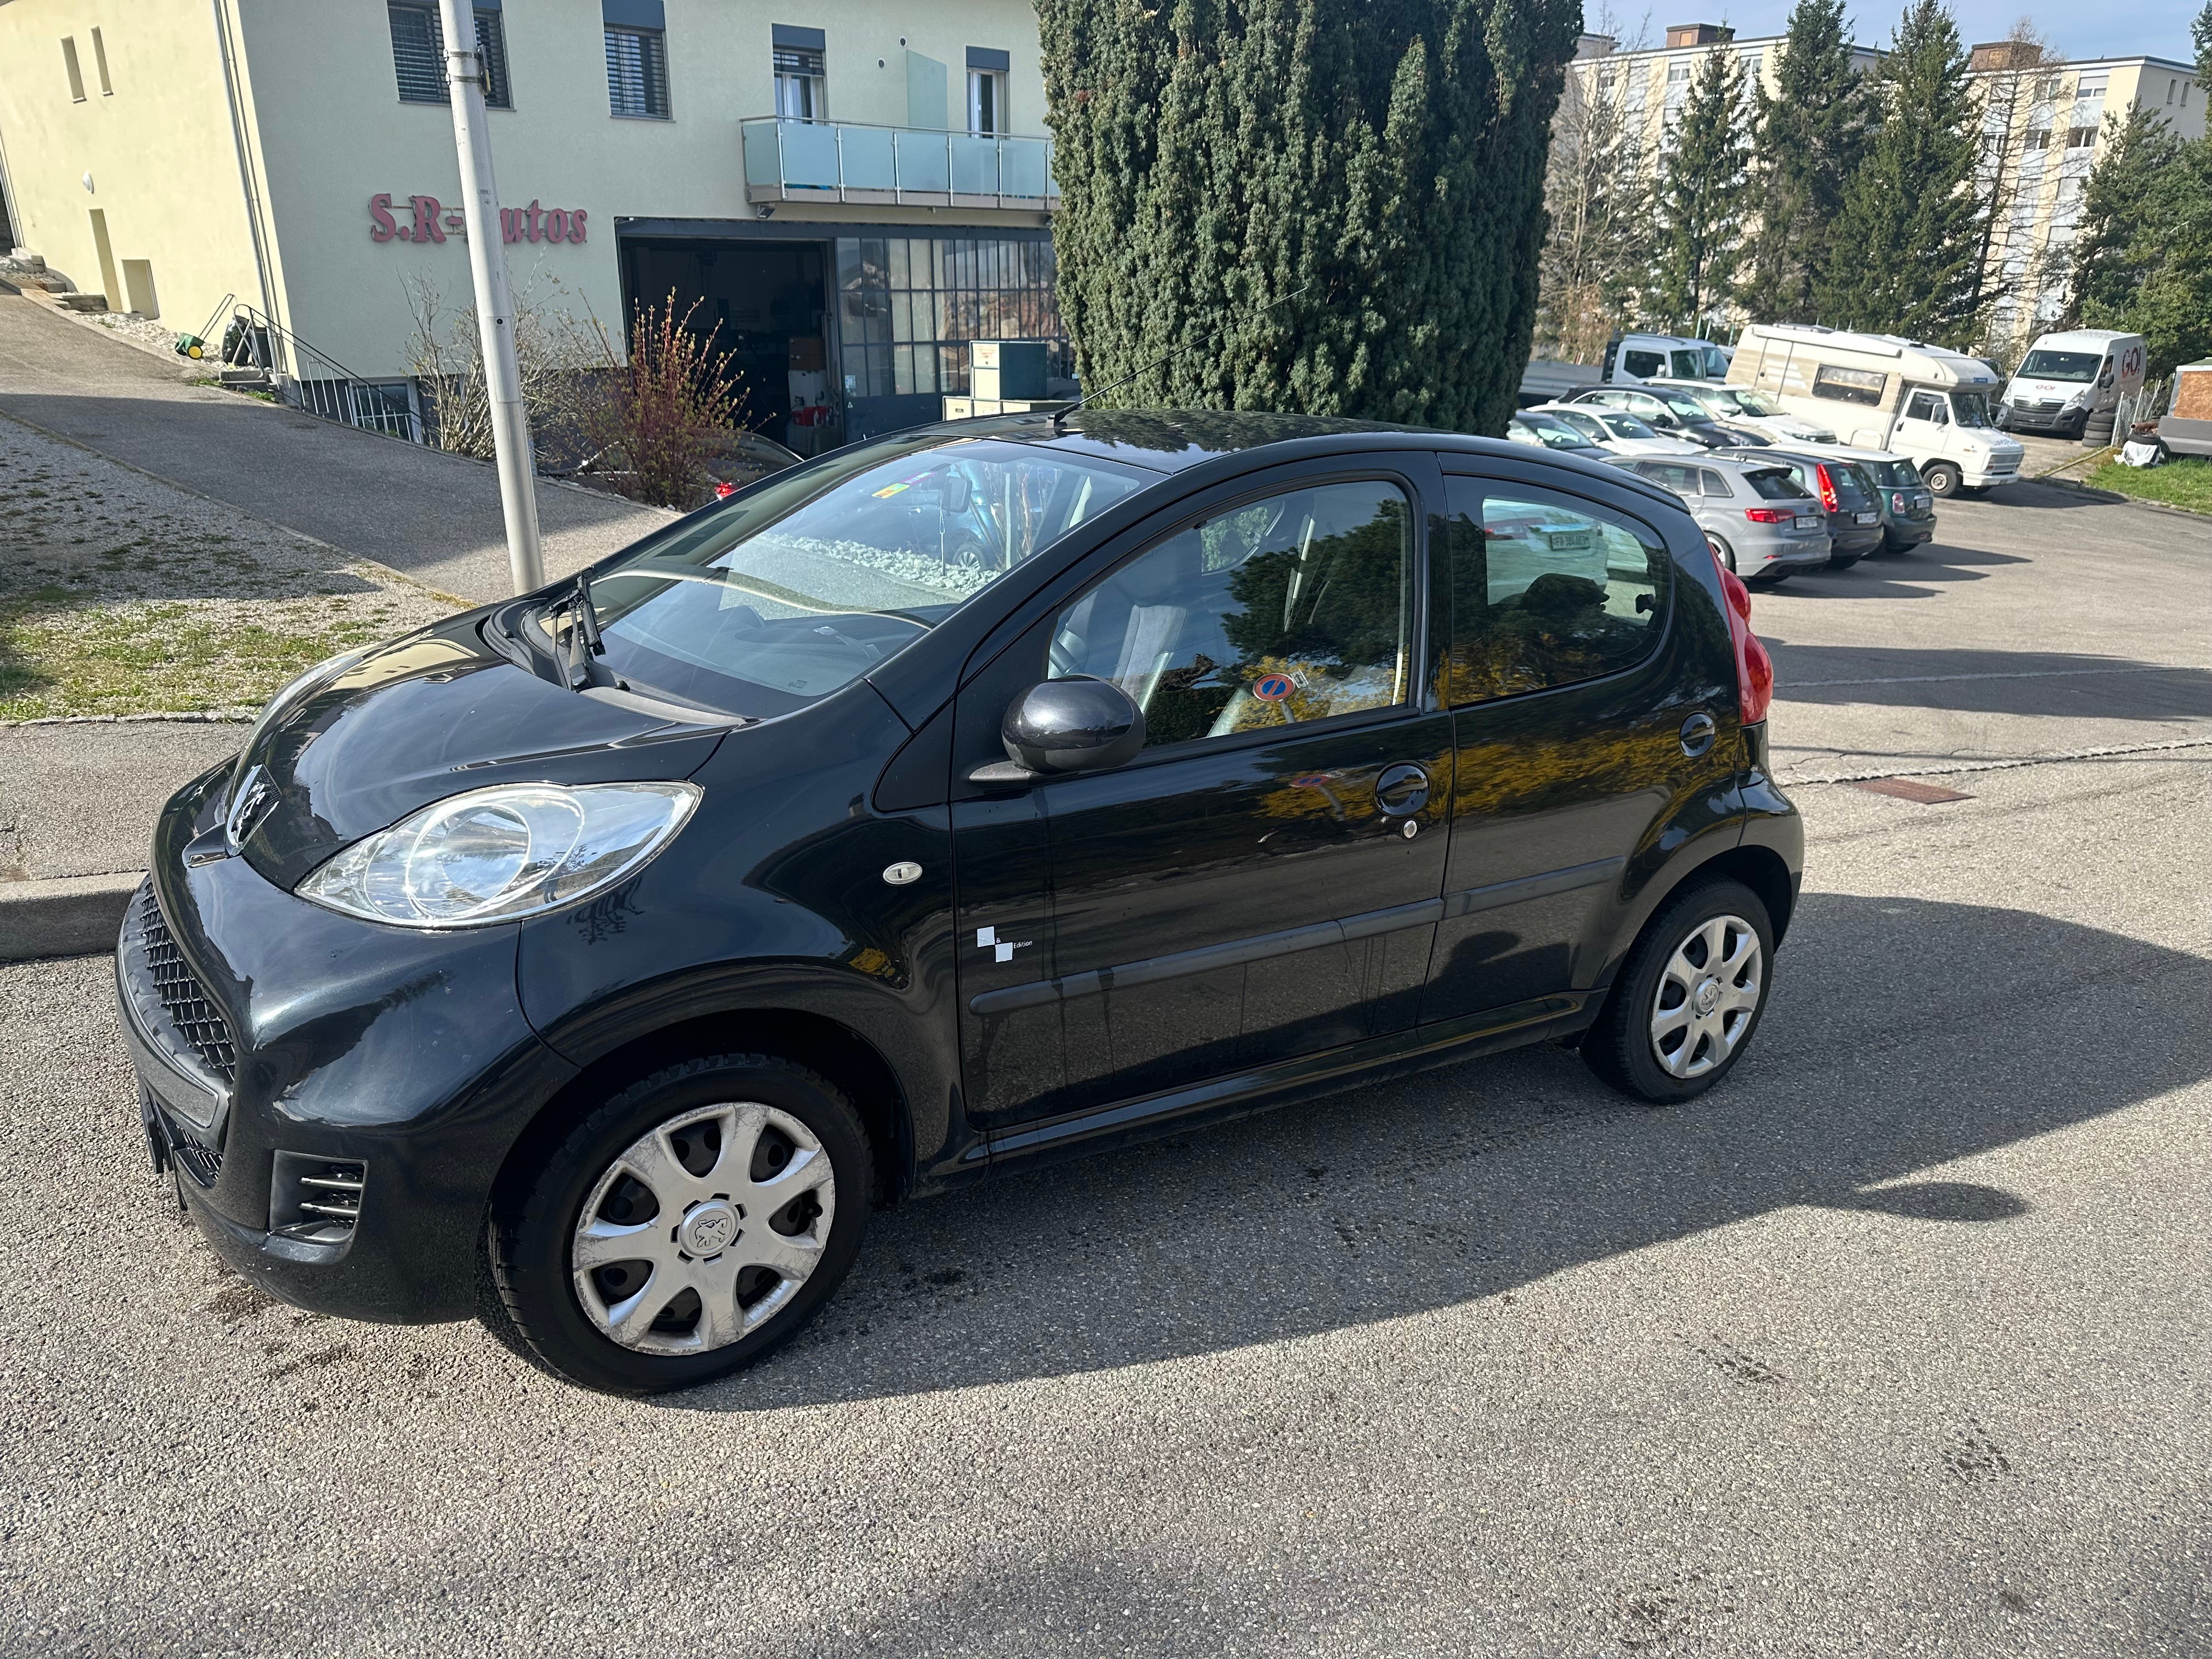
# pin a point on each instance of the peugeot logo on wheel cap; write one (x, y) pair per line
(709, 1230)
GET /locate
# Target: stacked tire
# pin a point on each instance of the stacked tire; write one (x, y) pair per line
(2097, 430)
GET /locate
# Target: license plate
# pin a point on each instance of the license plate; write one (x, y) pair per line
(1868, 517)
(1923, 502)
(1806, 521)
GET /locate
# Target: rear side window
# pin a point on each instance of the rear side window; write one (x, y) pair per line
(1546, 590)
(1672, 475)
(1896, 475)
(1772, 484)
(1850, 386)
(1292, 608)
(1646, 365)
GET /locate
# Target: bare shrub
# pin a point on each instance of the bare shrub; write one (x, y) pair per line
(674, 409)
(562, 362)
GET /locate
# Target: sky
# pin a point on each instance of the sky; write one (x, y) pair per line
(2157, 28)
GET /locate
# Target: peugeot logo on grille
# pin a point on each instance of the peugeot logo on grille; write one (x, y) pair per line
(256, 794)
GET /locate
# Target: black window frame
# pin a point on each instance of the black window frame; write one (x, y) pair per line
(491, 46)
(652, 71)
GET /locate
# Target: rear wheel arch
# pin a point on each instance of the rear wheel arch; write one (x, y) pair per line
(1760, 868)
(842, 1055)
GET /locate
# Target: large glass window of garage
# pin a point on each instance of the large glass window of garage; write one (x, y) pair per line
(1546, 589)
(418, 52)
(908, 305)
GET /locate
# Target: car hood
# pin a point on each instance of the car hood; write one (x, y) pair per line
(428, 716)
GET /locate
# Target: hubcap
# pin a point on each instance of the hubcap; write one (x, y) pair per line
(703, 1228)
(1707, 996)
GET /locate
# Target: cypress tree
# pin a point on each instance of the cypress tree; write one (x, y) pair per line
(1381, 161)
(1701, 197)
(1813, 133)
(1907, 244)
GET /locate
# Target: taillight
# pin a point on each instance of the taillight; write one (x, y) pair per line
(1897, 501)
(1754, 669)
(723, 490)
(1767, 515)
(1827, 487)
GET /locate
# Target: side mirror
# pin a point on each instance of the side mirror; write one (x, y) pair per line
(1079, 723)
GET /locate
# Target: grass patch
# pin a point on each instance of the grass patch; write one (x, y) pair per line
(2186, 482)
(61, 653)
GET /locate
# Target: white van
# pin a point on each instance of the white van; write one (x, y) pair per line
(1635, 358)
(1881, 392)
(2069, 380)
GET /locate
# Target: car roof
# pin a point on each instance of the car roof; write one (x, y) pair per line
(1171, 441)
(1723, 460)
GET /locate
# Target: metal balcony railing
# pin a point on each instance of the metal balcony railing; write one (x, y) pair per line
(788, 161)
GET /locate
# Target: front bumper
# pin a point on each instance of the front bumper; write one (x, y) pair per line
(285, 1051)
(1988, 472)
(2067, 421)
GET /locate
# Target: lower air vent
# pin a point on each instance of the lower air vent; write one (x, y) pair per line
(316, 1200)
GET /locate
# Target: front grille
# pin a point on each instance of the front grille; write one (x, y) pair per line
(316, 1199)
(202, 1166)
(198, 1021)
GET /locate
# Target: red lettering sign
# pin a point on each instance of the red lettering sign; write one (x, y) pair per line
(432, 219)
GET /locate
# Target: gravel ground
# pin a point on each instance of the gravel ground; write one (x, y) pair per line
(1894, 1345)
(119, 594)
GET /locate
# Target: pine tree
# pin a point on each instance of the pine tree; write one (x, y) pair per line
(1337, 202)
(1812, 134)
(1908, 242)
(2114, 247)
(1701, 197)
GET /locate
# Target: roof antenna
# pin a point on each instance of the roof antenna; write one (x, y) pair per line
(1059, 416)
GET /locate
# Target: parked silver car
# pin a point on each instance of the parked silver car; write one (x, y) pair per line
(1761, 524)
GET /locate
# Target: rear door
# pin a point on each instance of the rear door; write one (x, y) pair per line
(1263, 880)
(1576, 701)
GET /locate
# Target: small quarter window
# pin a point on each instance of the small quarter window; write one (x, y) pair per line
(1294, 608)
(1713, 483)
(1547, 589)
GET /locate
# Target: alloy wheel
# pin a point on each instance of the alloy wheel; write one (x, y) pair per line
(1708, 992)
(703, 1228)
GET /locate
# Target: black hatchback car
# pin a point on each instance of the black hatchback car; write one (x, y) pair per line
(597, 960)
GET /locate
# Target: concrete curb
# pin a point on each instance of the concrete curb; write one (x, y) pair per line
(69, 916)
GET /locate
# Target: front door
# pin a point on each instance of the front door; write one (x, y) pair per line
(1262, 880)
(1570, 693)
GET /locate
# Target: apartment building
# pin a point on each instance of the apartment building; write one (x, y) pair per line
(2043, 130)
(850, 194)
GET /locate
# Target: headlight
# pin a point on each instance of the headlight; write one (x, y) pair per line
(496, 855)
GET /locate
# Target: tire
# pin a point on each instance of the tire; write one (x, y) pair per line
(660, 1148)
(1722, 550)
(1942, 479)
(1624, 1047)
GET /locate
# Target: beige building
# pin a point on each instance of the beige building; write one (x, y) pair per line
(850, 189)
(2043, 132)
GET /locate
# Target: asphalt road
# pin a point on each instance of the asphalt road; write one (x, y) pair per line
(431, 516)
(1892, 1345)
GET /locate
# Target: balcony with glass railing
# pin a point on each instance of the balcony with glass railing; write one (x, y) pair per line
(790, 160)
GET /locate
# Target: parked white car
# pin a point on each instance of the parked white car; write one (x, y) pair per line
(2071, 381)
(1615, 430)
(1743, 405)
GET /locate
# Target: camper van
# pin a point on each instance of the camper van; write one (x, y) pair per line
(1632, 359)
(1879, 391)
(2071, 382)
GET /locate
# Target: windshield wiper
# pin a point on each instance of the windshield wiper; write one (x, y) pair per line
(584, 641)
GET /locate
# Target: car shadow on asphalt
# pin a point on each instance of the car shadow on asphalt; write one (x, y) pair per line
(1894, 575)
(2065, 684)
(1904, 1035)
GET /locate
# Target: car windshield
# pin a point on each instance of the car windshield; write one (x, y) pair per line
(1851, 486)
(1970, 408)
(1685, 405)
(1587, 424)
(1622, 424)
(1774, 484)
(1752, 403)
(2062, 365)
(796, 588)
(1550, 431)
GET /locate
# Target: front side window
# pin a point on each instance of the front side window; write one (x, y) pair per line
(1645, 365)
(802, 86)
(1294, 608)
(1547, 589)
(800, 587)
(418, 54)
(1926, 406)
(637, 73)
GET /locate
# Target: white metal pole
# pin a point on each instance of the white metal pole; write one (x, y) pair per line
(510, 420)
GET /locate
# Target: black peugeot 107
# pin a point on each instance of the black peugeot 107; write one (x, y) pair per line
(596, 961)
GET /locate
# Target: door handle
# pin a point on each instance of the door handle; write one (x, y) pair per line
(1402, 790)
(1697, 735)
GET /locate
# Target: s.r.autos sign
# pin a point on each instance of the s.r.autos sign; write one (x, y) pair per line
(426, 219)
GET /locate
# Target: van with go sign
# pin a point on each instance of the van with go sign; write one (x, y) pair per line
(1886, 393)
